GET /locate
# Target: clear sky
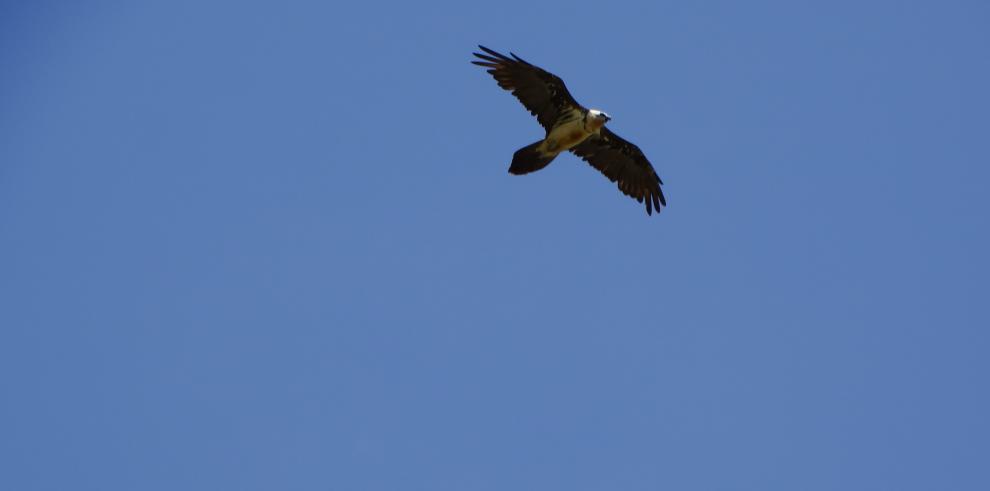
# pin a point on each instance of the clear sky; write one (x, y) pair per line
(257, 246)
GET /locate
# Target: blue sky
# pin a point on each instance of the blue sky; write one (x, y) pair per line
(274, 246)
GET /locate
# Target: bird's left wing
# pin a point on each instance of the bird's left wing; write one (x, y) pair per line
(623, 163)
(543, 93)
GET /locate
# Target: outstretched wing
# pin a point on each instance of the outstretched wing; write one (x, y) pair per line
(543, 93)
(624, 163)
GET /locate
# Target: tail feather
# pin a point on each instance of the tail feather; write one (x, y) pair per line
(529, 159)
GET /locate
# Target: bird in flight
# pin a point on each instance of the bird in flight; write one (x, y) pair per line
(571, 127)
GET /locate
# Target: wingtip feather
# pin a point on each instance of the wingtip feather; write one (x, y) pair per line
(494, 53)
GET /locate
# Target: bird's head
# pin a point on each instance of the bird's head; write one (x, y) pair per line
(599, 116)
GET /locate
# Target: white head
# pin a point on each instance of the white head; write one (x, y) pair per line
(595, 114)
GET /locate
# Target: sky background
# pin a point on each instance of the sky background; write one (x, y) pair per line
(275, 245)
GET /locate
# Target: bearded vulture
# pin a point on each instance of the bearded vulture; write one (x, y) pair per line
(571, 126)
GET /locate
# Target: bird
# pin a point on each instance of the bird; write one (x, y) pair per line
(571, 127)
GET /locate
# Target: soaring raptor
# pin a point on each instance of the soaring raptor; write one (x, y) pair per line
(571, 126)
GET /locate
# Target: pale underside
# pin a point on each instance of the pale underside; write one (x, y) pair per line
(571, 129)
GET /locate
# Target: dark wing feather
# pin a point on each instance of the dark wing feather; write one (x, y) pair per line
(543, 93)
(624, 163)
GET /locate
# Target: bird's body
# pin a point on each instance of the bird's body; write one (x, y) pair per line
(571, 127)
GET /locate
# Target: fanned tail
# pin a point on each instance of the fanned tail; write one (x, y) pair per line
(530, 159)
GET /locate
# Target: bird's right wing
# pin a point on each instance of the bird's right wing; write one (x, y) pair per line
(543, 93)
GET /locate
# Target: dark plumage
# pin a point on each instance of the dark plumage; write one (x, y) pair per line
(546, 97)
